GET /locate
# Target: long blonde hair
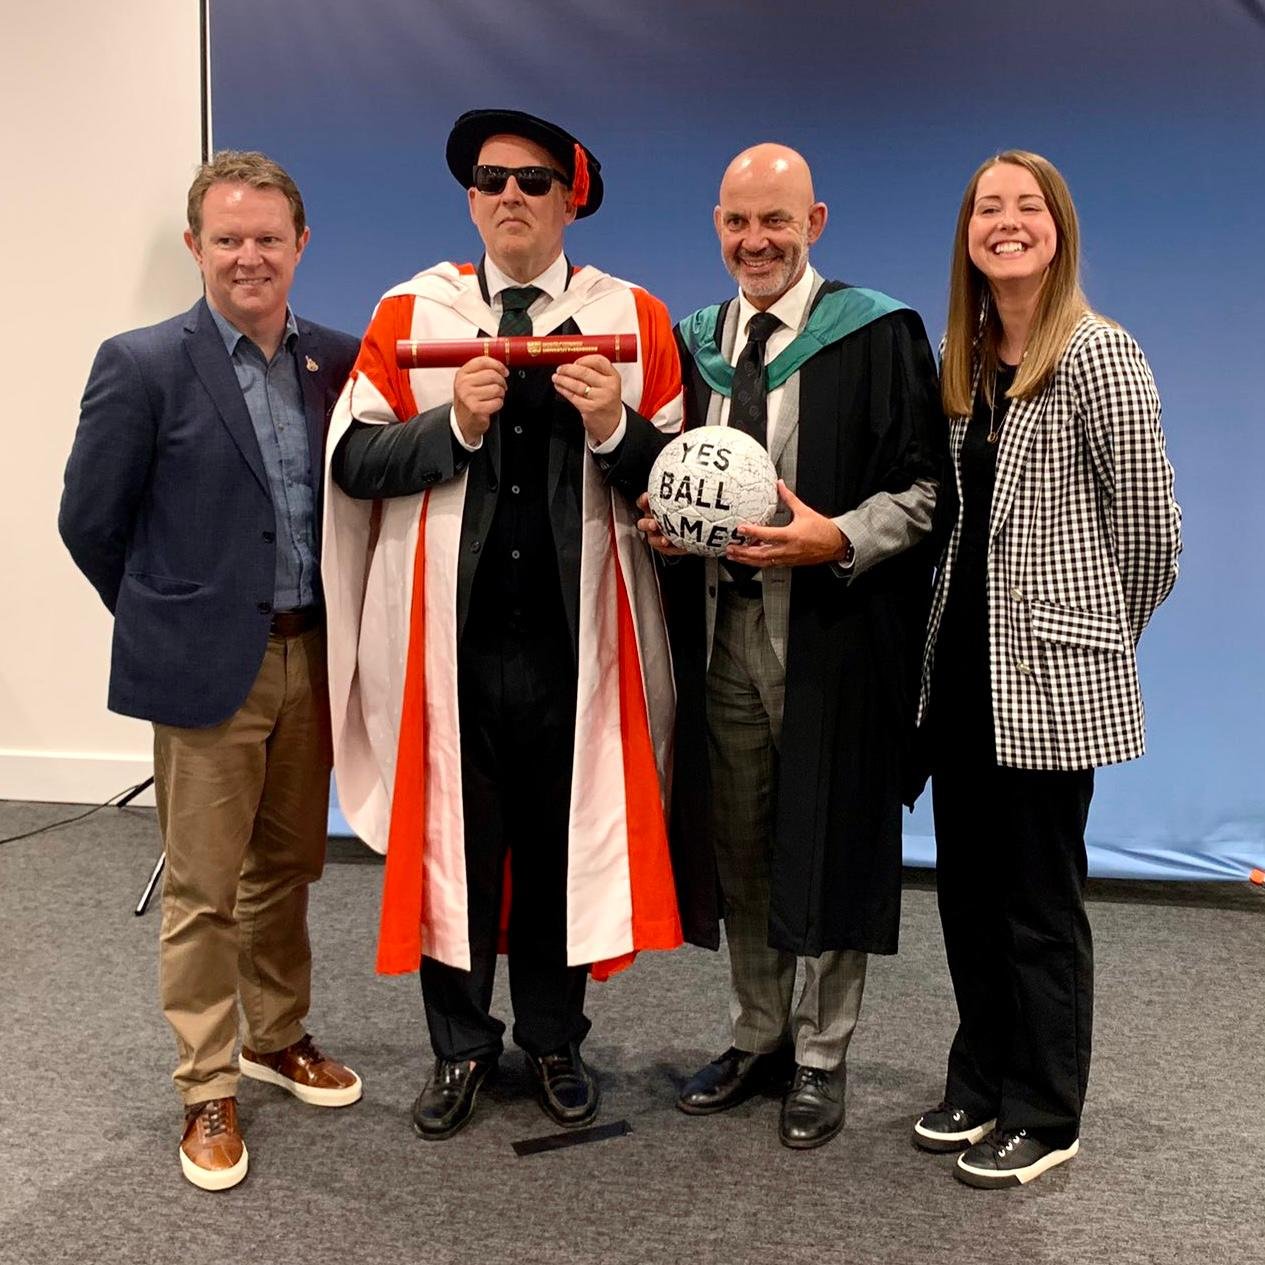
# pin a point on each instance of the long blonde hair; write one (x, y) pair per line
(974, 329)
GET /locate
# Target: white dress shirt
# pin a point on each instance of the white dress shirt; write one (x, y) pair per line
(884, 523)
(789, 309)
(551, 283)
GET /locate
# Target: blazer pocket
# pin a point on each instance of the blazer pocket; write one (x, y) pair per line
(164, 585)
(1070, 626)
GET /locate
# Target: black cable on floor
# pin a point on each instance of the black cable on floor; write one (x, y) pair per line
(67, 821)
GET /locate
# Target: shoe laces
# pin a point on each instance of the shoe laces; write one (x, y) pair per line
(1003, 1141)
(213, 1116)
(811, 1076)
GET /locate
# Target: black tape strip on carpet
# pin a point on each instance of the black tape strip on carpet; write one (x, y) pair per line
(573, 1137)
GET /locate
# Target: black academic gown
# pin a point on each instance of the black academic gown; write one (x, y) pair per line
(869, 421)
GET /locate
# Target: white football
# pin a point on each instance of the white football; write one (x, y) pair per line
(706, 482)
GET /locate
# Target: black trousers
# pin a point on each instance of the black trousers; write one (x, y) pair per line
(517, 689)
(1010, 876)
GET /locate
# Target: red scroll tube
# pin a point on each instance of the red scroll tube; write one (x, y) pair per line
(517, 352)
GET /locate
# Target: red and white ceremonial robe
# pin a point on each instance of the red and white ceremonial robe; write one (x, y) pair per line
(390, 577)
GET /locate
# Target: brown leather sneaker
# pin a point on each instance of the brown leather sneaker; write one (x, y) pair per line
(212, 1153)
(306, 1073)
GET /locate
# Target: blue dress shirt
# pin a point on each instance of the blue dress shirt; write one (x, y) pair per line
(274, 399)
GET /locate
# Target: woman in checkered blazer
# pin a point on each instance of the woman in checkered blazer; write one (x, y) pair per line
(1064, 539)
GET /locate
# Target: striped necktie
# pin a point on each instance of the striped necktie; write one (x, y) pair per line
(748, 410)
(748, 406)
(514, 304)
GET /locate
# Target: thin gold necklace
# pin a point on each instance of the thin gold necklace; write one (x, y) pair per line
(994, 426)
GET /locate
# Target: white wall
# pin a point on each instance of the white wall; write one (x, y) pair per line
(100, 132)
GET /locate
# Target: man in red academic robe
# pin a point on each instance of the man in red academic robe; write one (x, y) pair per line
(499, 668)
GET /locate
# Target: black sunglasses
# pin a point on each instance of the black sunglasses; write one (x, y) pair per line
(533, 181)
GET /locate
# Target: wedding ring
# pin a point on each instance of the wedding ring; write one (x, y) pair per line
(587, 388)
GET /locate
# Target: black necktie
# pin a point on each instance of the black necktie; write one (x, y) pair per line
(514, 304)
(749, 408)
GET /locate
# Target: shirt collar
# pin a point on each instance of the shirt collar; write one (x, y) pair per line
(789, 309)
(232, 335)
(553, 281)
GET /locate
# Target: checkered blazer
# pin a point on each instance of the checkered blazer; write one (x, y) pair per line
(1082, 547)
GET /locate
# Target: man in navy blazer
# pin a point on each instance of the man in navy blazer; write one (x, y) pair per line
(192, 503)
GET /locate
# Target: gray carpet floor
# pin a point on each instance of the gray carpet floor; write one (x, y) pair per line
(1172, 1166)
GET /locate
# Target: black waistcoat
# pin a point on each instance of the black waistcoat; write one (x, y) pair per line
(516, 584)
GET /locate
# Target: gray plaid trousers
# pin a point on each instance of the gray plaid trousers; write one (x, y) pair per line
(745, 690)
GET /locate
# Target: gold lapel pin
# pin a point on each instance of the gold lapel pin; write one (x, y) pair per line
(312, 366)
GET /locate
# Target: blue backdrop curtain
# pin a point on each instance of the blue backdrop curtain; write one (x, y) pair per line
(1154, 112)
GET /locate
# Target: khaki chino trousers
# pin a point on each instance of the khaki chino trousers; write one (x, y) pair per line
(243, 809)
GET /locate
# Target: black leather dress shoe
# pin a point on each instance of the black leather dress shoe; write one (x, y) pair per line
(812, 1111)
(733, 1078)
(446, 1102)
(568, 1092)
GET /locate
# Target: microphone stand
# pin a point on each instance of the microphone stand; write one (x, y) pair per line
(143, 904)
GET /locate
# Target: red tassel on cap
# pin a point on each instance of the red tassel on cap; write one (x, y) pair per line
(580, 180)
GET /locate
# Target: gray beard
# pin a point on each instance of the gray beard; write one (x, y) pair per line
(774, 283)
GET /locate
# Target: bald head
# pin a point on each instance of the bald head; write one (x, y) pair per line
(766, 219)
(769, 167)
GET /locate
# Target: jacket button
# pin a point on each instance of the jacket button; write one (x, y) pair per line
(475, 546)
(264, 608)
(269, 537)
(1017, 594)
(1024, 668)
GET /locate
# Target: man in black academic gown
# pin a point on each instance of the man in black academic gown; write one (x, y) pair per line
(796, 657)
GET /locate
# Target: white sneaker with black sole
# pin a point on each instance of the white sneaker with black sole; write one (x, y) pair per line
(1009, 1158)
(949, 1128)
